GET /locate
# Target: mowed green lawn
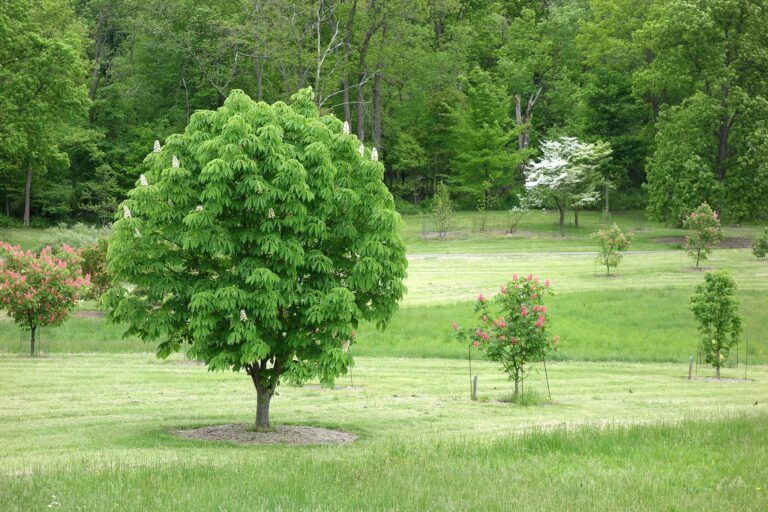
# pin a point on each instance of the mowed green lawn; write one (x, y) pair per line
(91, 432)
(640, 315)
(86, 426)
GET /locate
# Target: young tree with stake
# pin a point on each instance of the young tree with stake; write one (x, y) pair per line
(260, 237)
(717, 312)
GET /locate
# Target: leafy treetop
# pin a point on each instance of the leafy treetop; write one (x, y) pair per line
(262, 235)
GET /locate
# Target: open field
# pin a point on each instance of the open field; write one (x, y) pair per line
(92, 430)
(641, 315)
(537, 232)
(86, 426)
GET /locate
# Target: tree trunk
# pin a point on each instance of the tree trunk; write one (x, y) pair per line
(263, 397)
(265, 381)
(377, 111)
(717, 368)
(347, 51)
(517, 385)
(27, 195)
(561, 209)
(607, 204)
(576, 217)
(32, 342)
(259, 78)
(361, 108)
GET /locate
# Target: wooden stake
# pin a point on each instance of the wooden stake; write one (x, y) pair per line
(474, 388)
(690, 367)
(469, 358)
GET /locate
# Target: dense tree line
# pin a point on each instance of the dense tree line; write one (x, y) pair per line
(454, 91)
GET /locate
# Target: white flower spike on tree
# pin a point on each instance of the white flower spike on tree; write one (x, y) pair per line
(374, 155)
(157, 147)
(143, 180)
(175, 162)
(345, 128)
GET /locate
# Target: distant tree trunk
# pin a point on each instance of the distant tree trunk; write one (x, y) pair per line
(33, 328)
(347, 51)
(607, 204)
(377, 111)
(717, 367)
(576, 216)
(363, 73)
(561, 209)
(27, 195)
(524, 118)
(259, 78)
(361, 107)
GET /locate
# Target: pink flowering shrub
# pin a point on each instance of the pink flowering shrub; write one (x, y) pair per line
(705, 232)
(40, 290)
(512, 326)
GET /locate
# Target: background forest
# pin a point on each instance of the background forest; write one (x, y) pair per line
(455, 91)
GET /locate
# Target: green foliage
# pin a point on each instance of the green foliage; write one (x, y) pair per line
(611, 243)
(442, 209)
(705, 226)
(94, 264)
(715, 308)
(42, 98)
(513, 327)
(760, 245)
(261, 237)
(483, 160)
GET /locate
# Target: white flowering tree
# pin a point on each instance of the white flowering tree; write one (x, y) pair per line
(260, 237)
(567, 174)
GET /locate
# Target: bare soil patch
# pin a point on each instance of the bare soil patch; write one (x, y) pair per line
(696, 269)
(287, 434)
(334, 388)
(732, 242)
(88, 314)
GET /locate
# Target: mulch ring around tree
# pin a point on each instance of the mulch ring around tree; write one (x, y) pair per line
(88, 314)
(733, 242)
(286, 434)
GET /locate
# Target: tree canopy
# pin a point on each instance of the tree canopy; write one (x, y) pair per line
(260, 236)
(447, 91)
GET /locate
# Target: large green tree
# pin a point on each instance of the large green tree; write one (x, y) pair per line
(710, 52)
(42, 89)
(261, 237)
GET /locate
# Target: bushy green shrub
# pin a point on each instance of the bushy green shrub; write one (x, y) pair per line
(760, 246)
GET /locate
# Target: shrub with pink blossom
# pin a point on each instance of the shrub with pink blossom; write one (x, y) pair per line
(512, 327)
(40, 290)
